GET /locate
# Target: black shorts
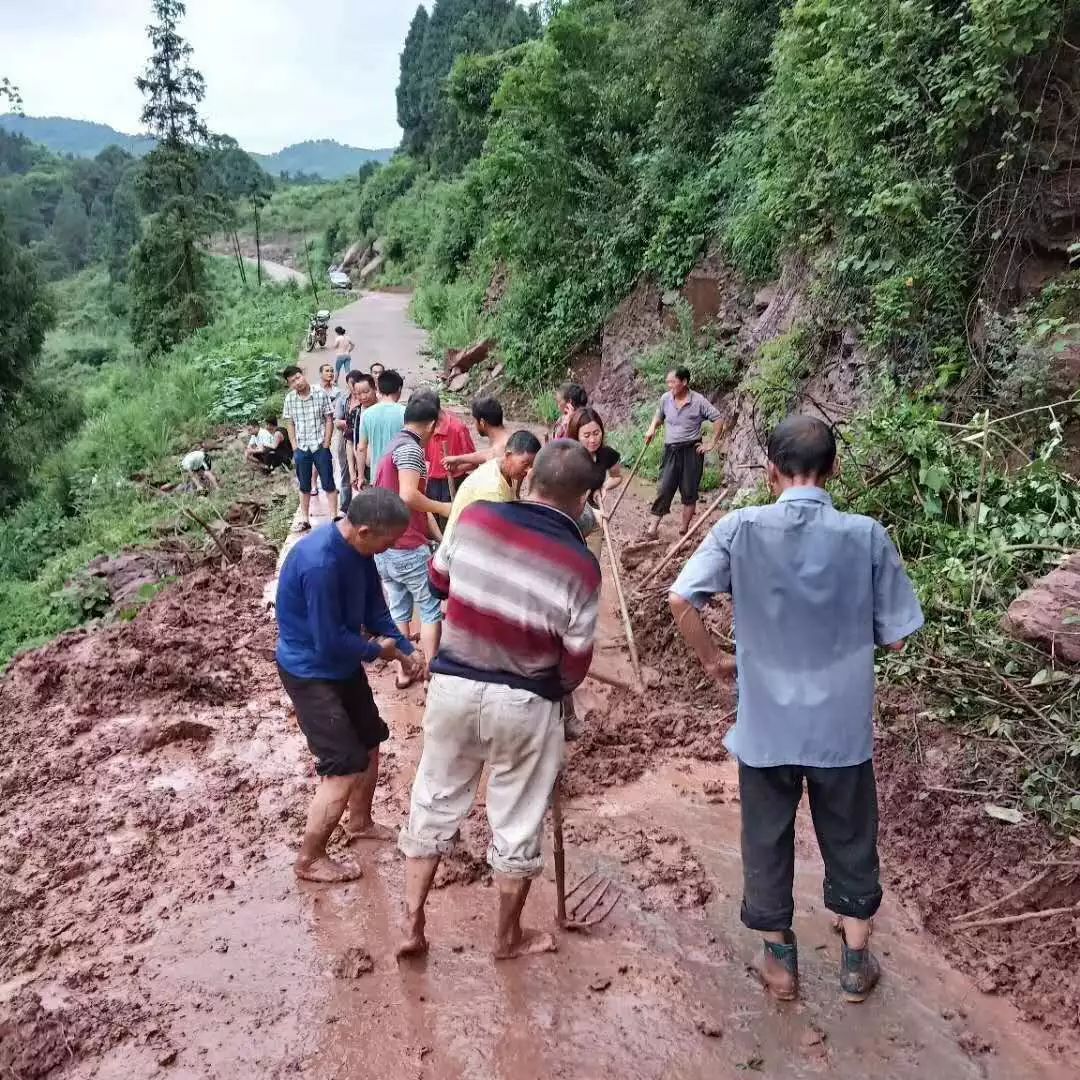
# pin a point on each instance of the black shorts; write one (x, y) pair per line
(681, 472)
(339, 719)
(438, 491)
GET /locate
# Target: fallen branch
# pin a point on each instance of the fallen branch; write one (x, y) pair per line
(1027, 916)
(1006, 898)
(683, 541)
(629, 480)
(210, 532)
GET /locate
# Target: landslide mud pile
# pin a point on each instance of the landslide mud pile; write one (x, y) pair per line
(106, 824)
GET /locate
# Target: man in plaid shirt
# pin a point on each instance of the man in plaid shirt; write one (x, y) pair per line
(309, 419)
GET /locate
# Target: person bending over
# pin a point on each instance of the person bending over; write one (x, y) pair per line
(332, 619)
(499, 480)
(814, 591)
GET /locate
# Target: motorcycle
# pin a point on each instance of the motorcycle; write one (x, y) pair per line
(318, 325)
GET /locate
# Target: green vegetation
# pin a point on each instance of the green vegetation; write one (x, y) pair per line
(129, 419)
(709, 362)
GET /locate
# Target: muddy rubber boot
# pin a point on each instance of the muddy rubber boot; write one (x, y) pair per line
(859, 972)
(779, 969)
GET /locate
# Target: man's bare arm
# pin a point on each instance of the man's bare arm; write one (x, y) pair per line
(414, 498)
(717, 664)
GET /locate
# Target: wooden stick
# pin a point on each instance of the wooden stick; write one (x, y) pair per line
(599, 676)
(629, 480)
(684, 540)
(213, 535)
(1004, 899)
(1027, 916)
(631, 644)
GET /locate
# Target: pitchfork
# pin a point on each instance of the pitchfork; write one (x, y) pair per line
(593, 898)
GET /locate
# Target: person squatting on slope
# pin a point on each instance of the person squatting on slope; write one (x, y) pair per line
(814, 591)
(523, 596)
(332, 619)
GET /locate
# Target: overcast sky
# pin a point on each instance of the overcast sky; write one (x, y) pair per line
(277, 71)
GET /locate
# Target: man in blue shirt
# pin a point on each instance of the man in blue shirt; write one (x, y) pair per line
(332, 619)
(814, 592)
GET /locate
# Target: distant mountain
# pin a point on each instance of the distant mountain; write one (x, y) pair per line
(319, 157)
(325, 157)
(79, 137)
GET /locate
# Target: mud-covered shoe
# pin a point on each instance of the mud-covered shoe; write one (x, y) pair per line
(859, 972)
(779, 968)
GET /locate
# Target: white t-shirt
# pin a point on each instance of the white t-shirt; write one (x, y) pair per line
(263, 441)
(194, 461)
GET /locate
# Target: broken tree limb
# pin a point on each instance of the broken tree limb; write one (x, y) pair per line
(1027, 916)
(629, 480)
(684, 540)
(210, 532)
(1003, 899)
(613, 558)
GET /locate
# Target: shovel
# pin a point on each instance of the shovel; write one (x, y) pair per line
(593, 898)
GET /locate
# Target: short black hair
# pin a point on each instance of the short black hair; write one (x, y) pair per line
(339, 329)
(423, 408)
(359, 376)
(381, 367)
(802, 446)
(380, 509)
(564, 471)
(489, 410)
(574, 394)
(389, 382)
(290, 371)
(523, 442)
(271, 420)
(682, 374)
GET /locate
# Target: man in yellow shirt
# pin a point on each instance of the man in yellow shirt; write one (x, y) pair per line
(498, 480)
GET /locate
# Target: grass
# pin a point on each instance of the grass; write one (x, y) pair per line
(88, 497)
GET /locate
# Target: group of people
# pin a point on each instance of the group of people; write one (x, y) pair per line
(491, 550)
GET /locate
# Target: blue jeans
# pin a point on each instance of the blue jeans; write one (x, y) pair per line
(320, 459)
(404, 575)
(343, 361)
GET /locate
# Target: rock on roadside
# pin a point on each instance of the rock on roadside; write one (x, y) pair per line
(1038, 614)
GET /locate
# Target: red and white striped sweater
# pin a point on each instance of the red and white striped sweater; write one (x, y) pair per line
(523, 595)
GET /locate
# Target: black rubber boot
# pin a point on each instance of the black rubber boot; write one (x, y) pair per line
(859, 972)
(779, 968)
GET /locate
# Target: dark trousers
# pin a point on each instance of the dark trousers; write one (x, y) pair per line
(680, 470)
(439, 491)
(843, 806)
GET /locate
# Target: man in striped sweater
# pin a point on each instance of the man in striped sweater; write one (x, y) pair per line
(522, 593)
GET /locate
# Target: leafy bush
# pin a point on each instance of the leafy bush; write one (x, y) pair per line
(712, 368)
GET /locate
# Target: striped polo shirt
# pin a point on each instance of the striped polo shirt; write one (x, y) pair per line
(523, 596)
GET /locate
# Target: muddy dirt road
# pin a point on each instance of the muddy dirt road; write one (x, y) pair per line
(152, 790)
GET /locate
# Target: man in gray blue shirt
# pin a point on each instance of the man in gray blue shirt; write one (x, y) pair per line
(814, 592)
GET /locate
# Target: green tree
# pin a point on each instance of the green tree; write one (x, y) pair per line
(71, 230)
(168, 273)
(25, 316)
(455, 28)
(125, 231)
(409, 113)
